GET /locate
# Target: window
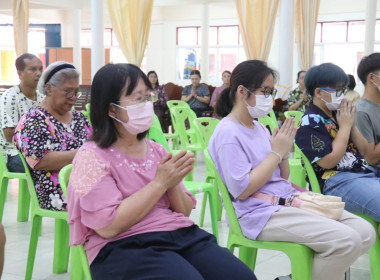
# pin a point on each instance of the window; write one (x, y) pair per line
(225, 51)
(342, 43)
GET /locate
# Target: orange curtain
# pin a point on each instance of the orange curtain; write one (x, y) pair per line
(257, 19)
(306, 22)
(21, 25)
(131, 24)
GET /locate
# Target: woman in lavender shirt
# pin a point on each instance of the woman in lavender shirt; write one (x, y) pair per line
(254, 165)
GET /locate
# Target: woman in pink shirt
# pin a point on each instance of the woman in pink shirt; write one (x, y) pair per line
(126, 201)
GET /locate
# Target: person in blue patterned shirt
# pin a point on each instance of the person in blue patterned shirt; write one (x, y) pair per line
(330, 139)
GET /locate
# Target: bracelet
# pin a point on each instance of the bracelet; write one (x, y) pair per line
(277, 154)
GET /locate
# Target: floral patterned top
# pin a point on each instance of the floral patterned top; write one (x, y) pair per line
(295, 96)
(162, 97)
(38, 133)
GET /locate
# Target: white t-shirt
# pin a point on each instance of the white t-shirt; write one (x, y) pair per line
(13, 105)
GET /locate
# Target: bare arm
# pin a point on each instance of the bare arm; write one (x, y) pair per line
(56, 160)
(359, 141)
(8, 133)
(296, 105)
(134, 208)
(204, 99)
(373, 153)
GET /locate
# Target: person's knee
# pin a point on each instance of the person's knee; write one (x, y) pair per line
(2, 235)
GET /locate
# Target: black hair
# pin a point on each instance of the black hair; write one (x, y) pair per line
(107, 87)
(226, 71)
(299, 74)
(326, 75)
(195, 72)
(367, 65)
(250, 74)
(351, 82)
(153, 72)
(20, 63)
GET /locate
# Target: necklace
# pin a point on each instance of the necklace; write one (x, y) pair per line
(233, 113)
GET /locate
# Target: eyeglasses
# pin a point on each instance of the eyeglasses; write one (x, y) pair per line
(150, 96)
(70, 93)
(337, 92)
(267, 91)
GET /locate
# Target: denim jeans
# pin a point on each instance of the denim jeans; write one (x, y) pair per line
(360, 191)
(14, 164)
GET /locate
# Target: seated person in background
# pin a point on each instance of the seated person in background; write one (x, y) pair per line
(368, 115)
(334, 145)
(160, 107)
(50, 134)
(298, 99)
(226, 83)
(196, 94)
(16, 101)
(351, 93)
(127, 203)
(254, 164)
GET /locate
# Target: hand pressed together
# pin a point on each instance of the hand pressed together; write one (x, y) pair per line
(172, 169)
(282, 139)
(346, 114)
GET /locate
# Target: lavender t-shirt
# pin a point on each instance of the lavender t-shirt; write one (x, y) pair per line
(100, 180)
(236, 150)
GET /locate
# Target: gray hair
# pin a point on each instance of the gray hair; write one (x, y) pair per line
(58, 78)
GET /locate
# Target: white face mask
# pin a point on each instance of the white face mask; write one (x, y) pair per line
(378, 87)
(335, 102)
(263, 106)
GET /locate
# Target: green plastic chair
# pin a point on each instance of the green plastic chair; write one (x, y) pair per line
(23, 193)
(374, 253)
(205, 127)
(155, 133)
(61, 235)
(297, 115)
(194, 187)
(87, 112)
(176, 103)
(80, 268)
(269, 122)
(301, 256)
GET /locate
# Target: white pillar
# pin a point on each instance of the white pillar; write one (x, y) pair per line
(370, 24)
(76, 46)
(97, 25)
(204, 46)
(286, 42)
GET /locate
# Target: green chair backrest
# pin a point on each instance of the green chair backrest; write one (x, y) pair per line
(156, 134)
(64, 176)
(205, 127)
(296, 115)
(226, 198)
(313, 181)
(268, 122)
(176, 103)
(179, 117)
(273, 115)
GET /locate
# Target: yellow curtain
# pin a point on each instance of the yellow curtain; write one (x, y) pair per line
(257, 19)
(131, 23)
(306, 22)
(21, 25)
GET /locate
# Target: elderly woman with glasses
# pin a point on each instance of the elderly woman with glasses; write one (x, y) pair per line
(49, 135)
(330, 139)
(254, 167)
(127, 203)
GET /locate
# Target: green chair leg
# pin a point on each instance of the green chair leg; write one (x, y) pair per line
(301, 266)
(213, 213)
(23, 201)
(61, 246)
(203, 210)
(3, 195)
(36, 226)
(76, 272)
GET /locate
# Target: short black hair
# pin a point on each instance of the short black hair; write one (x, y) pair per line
(326, 75)
(20, 63)
(153, 72)
(107, 87)
(367, 65)
(195, 72)
(351, 82)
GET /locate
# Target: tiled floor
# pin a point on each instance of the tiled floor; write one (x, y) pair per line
(270, 264)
